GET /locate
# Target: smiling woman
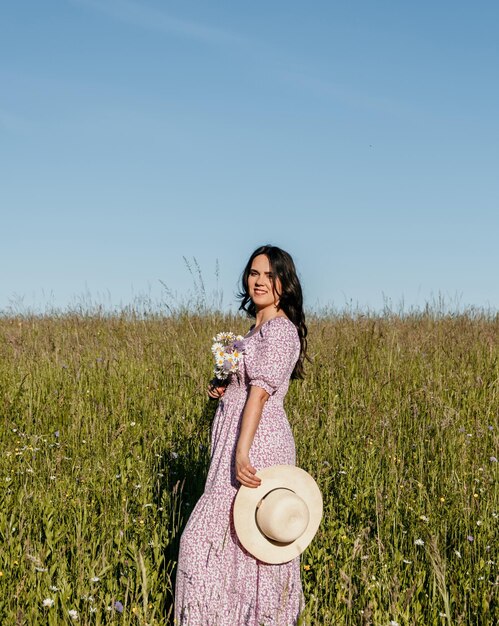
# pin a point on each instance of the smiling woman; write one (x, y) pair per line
(218, 582)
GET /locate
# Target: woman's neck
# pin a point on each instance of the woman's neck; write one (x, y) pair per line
(266, 314)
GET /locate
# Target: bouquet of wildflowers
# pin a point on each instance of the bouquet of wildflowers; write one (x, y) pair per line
(227, 350)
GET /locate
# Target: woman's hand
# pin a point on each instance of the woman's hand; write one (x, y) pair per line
(245, 472)
(215, 389)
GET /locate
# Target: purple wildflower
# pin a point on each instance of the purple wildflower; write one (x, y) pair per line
(238, 345)
(227, 366)
(470, 538)
(56, 433)
(493, 459)
(118, 606)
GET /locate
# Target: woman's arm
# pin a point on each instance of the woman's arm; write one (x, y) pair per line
(245, 472)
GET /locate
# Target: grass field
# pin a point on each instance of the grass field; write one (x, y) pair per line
(104, 448)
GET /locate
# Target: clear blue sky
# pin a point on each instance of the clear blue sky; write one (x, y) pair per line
(363, 137)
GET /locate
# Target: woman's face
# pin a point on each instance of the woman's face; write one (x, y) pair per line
(262, 289)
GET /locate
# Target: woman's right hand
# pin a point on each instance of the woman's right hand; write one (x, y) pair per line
(215, 390)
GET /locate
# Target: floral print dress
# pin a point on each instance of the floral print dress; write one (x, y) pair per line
(218, 582)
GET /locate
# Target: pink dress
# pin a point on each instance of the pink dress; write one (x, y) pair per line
(218, 582)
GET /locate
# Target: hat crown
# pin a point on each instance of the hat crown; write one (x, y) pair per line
(282, 515)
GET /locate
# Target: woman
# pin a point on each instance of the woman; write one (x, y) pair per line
(218, 582)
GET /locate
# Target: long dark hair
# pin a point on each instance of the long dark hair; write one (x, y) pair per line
(290, 298)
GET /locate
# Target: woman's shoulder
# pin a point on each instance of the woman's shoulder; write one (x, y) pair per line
(279, 326)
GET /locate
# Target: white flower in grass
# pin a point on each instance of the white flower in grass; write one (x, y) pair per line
(419, 542)
(457, 553)
(73, 614)
(394, 623)
(88, 598)
(423, 518)
(406, 561)
(93, 609)
(53, 588)
(41, 569)
(95, 579)
(48, 602)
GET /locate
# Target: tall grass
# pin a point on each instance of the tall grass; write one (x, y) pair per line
(104, 437)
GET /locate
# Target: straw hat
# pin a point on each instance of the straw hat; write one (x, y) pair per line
(276, 521)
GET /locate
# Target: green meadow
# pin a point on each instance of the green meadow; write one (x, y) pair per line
(105, 427)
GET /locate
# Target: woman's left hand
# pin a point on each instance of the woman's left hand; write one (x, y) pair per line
(215, 389)
(245, 472)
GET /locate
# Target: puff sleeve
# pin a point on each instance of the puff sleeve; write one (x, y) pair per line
(275, 354)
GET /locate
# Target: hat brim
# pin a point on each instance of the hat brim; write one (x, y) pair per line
(245, 507)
